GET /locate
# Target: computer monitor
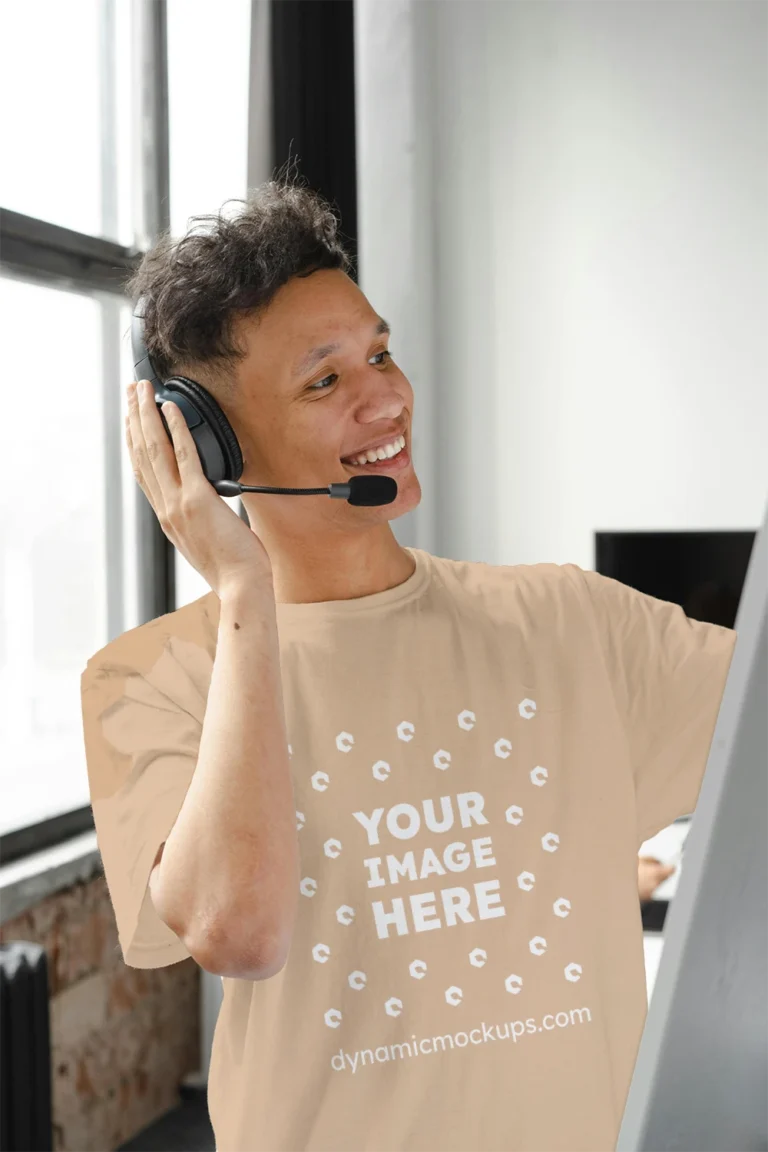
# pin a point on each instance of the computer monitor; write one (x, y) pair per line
(700, 1081)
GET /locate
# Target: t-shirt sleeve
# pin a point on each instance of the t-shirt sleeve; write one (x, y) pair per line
(668, 674)
(141, 749)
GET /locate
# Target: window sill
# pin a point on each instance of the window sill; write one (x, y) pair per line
(27, 882)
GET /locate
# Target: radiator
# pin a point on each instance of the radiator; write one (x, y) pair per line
(25, 1049)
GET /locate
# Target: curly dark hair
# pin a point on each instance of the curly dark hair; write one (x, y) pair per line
(197, 286)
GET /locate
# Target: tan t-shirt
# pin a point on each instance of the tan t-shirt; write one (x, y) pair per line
(477, 755)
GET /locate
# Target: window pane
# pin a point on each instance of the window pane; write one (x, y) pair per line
(216, 112)
(65, 136)
(55, 441)
(208, 123)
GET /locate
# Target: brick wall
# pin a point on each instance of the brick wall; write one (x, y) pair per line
(122, 1038)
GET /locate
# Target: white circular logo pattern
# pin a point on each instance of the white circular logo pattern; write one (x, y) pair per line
(381, 770)
(345, 914)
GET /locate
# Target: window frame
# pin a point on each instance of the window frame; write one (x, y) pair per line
(38, 251)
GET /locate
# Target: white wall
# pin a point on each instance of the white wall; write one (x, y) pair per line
(395, 233)
(589, 213)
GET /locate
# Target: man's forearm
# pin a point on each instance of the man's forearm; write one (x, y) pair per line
(228, 880)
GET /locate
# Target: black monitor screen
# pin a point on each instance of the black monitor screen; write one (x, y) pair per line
(704, 572)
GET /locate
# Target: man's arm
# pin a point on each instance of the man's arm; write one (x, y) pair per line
(226, 879)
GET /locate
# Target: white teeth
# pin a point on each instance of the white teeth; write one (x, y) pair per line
(386, 452)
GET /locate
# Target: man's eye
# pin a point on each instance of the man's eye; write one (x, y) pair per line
(317, 387)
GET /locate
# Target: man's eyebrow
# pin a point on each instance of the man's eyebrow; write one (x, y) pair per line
(317, 354)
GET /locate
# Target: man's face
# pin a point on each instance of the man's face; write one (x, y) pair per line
(298, 421)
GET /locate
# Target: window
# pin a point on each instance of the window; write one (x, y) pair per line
(65, 521)
(84, 189)
(65, 87)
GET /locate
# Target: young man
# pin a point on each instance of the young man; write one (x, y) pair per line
(394, 800)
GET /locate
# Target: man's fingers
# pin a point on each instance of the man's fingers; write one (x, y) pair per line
(183, 445)
(143, 462)
(130, 434)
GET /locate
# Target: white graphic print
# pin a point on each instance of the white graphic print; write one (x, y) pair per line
(381, 770)
(450, 867)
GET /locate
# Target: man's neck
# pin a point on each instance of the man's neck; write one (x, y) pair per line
(308, 571)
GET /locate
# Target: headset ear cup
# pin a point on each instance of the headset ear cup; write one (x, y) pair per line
(217, 445)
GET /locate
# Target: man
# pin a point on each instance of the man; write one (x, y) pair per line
(394, 800)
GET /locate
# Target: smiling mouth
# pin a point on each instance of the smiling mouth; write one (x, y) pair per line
(394, 459)
(393, 463)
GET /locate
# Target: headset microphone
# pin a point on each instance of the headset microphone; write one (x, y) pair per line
(220, 456)
(361, 490)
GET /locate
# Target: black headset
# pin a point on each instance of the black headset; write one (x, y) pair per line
(217, 445)
(220, 456)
